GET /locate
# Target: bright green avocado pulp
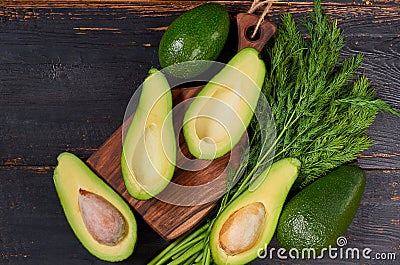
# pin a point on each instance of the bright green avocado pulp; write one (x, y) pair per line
(249, 222)
(80, 190)
(149, 148)
(219, 115)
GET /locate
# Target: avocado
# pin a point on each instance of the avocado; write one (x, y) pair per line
(149, 148)
(219, 115)
(99, 217)
(322, 212)
(197, 34)
(249, 222)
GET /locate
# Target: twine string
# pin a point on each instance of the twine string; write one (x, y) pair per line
(254, 7)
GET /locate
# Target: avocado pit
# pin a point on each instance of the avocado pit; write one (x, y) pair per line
(103, 221)
(241, 230)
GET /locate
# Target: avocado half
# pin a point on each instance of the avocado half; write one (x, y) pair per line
(149, 148)
(101, 220)
(219, 115)
(249, 222)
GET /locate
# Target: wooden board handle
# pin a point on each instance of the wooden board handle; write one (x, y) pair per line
(246, 24)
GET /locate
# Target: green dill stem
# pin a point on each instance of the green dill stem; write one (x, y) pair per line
(205, 255)
(189, 253)
(191, 260)
(166, 253)
(179, 250)
(207, 259)
(171, 250)
(199, 257)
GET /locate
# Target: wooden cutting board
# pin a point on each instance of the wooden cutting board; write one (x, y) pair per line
(169, 220)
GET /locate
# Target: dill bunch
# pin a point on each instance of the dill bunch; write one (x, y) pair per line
(321, 108)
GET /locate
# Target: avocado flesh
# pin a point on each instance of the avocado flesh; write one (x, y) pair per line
(321, 212)
(219, 115)
(249, 222)
(80, 192)
(149, 148)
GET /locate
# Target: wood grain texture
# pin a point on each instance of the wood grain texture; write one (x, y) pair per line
(33, 229)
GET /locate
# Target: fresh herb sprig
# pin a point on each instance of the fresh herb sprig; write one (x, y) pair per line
(321, 113)
(321, 110)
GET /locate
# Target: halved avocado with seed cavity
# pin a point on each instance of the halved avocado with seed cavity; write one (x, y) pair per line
(99, 217)
(149, 148)
(249, 222)
(219, 115)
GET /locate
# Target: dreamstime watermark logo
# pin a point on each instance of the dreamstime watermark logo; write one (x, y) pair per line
(340, 252)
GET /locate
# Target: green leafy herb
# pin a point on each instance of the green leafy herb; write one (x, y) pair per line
(321, 113)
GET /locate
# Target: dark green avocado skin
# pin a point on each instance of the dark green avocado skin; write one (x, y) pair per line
(321, 212)
(198, 34)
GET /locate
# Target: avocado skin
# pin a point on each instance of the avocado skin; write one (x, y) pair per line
(323, 211)
(198, 34)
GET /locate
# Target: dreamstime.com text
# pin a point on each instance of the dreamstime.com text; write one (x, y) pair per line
(340, 252)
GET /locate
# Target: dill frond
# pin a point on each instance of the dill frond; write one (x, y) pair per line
(321, 108)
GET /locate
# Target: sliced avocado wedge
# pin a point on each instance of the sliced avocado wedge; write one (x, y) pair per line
(149, 148)
(249, 222)
(99, 217)
(219, 115)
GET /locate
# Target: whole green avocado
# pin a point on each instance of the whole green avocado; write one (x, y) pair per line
(198, 34)
(321, 213)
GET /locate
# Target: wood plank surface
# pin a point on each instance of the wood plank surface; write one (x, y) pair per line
(67, 72)
(33, 229)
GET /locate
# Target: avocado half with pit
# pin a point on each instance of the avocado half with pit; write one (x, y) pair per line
(249, 222)
(219, 115)
(101, 220)
(149, 148)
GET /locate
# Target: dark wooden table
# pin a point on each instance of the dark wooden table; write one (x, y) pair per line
(67, 72)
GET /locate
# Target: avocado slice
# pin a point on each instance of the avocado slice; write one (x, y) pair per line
(219, 115)
(99, 217)
(320, 213)
(149, 148)
(248, 223)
